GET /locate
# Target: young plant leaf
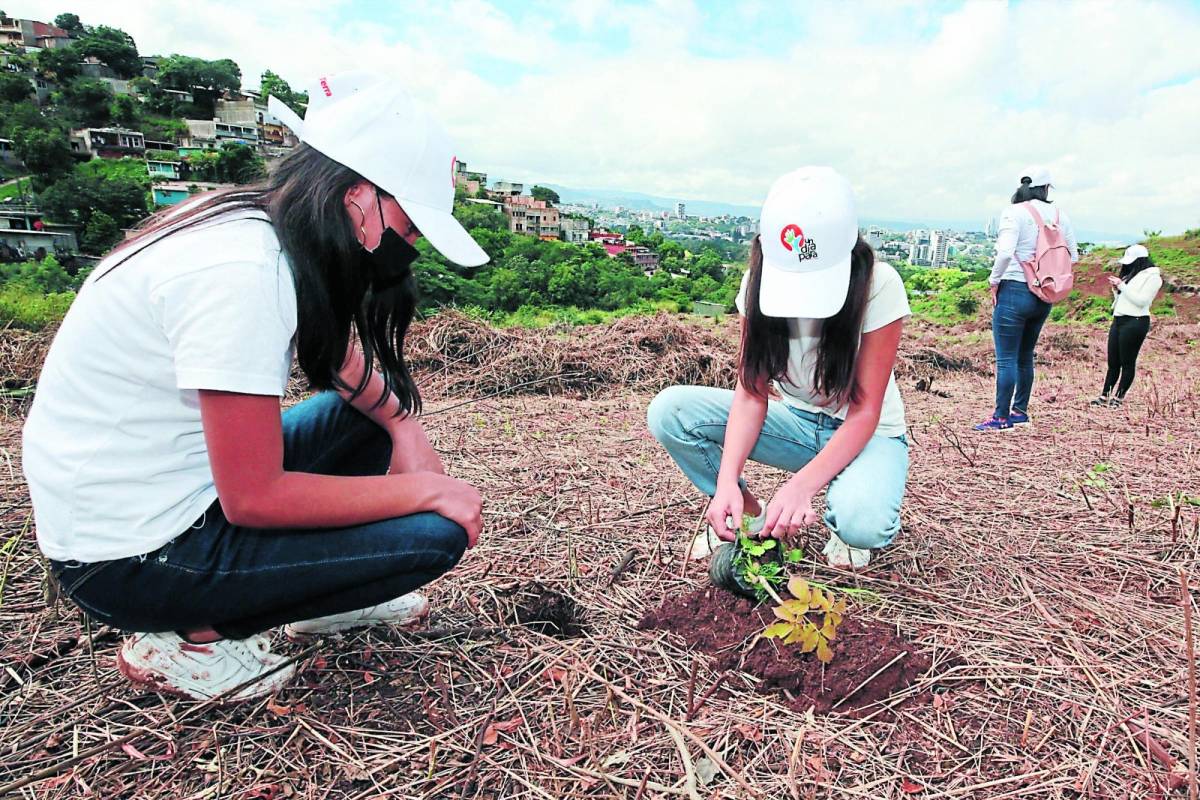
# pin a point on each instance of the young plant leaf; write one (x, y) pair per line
(794, 555)
(810, 638)
(829, 630)
(777, 630)
(768, 544)
(824, 654)
(798, 587)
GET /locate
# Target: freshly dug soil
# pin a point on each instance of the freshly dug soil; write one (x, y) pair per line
(547, 611)
(721, 624)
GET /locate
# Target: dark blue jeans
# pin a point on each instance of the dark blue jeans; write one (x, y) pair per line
(244, 580)
(1017, 322)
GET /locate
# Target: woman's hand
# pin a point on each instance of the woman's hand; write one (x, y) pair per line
(457, 501)
(790, 510)
(726, 505)
(1114, 280)
(995, 292)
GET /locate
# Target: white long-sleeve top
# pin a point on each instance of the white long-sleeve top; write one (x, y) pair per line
(1016, 242)
(1133, 299)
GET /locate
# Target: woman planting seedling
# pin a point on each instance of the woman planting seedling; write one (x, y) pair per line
(171, 496)
(822, 319)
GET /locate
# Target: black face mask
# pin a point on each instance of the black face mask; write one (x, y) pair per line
(391, 262)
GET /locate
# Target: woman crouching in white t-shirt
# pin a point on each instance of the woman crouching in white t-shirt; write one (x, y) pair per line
(822, 319)
(170, 496)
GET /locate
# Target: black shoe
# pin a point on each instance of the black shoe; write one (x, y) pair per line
(1115, 402)
(1102, 400)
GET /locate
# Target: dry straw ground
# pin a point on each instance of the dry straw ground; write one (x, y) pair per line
(1039, 571)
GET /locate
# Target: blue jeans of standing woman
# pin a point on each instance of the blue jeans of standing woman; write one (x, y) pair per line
(1017, 322)
(241, 581)
(863, 501)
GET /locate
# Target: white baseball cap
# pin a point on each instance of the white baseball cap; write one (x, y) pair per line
(1133, 253)
(1038, 176)
(363, 121)
(808, 228)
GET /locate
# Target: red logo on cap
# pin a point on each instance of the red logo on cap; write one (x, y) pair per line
(453, 165)
(791, 237)
(325, 88)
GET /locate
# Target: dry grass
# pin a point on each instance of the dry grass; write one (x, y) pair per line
(1050, 607)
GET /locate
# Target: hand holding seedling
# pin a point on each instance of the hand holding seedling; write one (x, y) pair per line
(789, 510)
(726, 507)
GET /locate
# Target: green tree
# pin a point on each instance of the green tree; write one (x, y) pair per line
(125, 111)
(88, 102)
(46, 154)
(271, 85)
(187, 73)
(116, 187)
(14, 88)
(100, 233)
(202, 166)
(238, 163)
(113, 47)
(71, 24)
(544, 193)
(59, 63)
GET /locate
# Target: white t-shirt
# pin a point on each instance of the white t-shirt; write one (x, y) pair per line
(114, 451)
(888, 302)
(1016, 241)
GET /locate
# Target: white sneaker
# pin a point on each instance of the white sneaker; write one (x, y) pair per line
(407, 609)
(163, 662)
(839, 554)
(707, 541)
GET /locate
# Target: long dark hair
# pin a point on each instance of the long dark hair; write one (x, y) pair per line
(334, 293)
(1027, 191)
(764, 351)
(1129, 271)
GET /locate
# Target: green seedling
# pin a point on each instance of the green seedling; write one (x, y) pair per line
(796, 619)
(1093, 478)
(760, 561)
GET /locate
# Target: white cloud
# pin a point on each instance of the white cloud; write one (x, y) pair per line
(1107, 92)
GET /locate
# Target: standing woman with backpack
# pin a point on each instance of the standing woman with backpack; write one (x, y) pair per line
(1035, 249)
(172, 498)
(821, 322)
(1133, 292)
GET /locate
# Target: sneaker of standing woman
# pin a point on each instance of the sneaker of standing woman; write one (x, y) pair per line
(1133, 292)
(171, 496)
(1018, 314)
(822, 320)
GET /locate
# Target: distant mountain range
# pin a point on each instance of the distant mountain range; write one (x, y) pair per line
(712, 208)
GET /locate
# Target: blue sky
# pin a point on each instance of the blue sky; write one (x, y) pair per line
(931, 109)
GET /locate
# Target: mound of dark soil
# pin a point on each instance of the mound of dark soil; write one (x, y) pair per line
(722, 625)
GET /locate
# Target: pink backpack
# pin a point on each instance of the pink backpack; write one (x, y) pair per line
(1049, 274)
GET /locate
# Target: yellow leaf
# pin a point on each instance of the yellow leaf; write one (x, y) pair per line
(779, 629)
(809, 638)
(799, 589)
(829, 631)
(795, 636)
(824, 654)
(840, 606)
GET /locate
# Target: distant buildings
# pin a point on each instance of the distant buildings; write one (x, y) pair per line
(938, 246)
(574, 229)
(472, 182)
(680, 211)
(616, 244)
(107, 142)
(533, 217)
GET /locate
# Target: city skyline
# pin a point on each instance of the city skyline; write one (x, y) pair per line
(712, 101)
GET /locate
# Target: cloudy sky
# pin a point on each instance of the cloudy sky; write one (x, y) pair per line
(932, 109)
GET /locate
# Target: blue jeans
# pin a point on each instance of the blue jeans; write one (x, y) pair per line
(242, 580)
(863, 501)
(1017, 322)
